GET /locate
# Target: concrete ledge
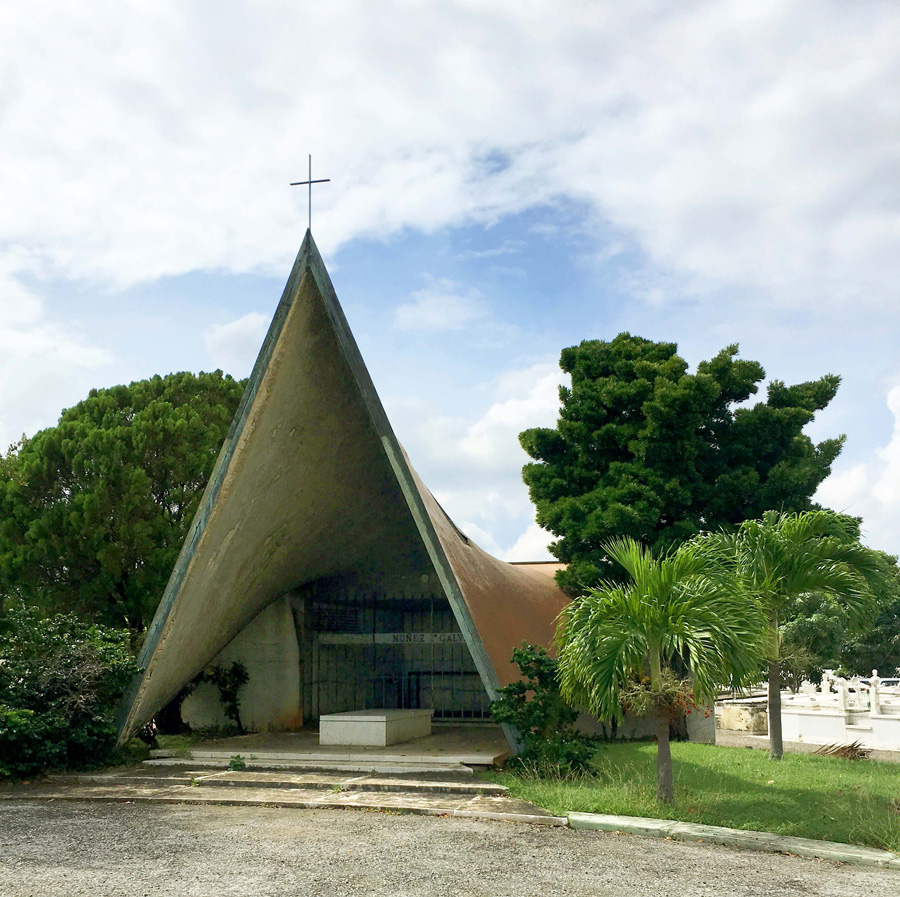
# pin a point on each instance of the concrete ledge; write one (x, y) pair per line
(731, 837)
(361, 766)
(530, 818)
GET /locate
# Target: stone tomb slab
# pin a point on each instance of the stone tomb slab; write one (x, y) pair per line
(376, 728)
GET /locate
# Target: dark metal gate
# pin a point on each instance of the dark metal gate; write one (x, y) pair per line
(370, 651)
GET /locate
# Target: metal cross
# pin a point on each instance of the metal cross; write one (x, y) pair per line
(309, 183)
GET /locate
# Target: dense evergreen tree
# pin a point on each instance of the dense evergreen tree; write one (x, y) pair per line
(94, 510)
(645, 449)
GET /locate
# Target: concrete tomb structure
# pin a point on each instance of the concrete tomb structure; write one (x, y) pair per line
(377, 728)
(320, 560)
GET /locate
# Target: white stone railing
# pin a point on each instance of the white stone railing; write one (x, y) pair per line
(854, 711)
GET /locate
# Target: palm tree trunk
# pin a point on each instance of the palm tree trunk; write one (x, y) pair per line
(776, 745)
(665, 782)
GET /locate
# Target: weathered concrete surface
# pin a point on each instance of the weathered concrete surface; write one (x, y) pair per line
(307, 493)
(121, 850)
(270, 701)
(446, 795)
(745, 717)
(507, 603)
(476, 744)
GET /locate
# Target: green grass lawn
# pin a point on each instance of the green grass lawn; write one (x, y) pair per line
(856, 802)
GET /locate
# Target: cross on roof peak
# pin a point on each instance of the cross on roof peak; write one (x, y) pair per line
(309, 183)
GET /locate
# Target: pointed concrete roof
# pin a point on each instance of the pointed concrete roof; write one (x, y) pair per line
(311, 482)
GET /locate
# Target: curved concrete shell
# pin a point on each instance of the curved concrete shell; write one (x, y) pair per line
(311, 483)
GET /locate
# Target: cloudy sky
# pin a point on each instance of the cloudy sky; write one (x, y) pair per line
(508, 178)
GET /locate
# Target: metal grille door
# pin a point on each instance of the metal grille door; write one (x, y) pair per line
(371, 651)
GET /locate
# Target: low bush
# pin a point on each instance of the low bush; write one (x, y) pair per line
(60, 681)
(534, 707)
(228, 681)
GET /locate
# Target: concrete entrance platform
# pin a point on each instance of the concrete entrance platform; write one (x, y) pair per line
(444, 794)
(448, 747)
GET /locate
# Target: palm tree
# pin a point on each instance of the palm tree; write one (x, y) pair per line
(676, 606)
(778, 559)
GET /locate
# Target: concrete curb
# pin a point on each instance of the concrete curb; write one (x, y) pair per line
(732, 837)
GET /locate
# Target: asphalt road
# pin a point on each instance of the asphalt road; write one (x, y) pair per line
(138, 850)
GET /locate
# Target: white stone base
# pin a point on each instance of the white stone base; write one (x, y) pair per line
(880, 732)
(376, 728)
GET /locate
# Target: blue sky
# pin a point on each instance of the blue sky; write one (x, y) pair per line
(507, 179)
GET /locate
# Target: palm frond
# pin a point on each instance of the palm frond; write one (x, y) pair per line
(682, 603)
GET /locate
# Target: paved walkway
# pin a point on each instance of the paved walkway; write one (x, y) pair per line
(96, 849)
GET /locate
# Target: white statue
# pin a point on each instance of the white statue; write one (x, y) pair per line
(874, 697)
(842, 692)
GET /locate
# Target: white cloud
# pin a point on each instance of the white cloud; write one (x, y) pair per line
(841, 491)
(482, 537)
(478, 463)
(443, 305)
(44, 364)
(509, 247)
(887, 484)
(532, 400)
(531, 546)
(871, 489)
(735, 143)
(488, 445)
(233, 347)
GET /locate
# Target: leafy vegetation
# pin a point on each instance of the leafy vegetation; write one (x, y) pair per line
(228, 681)
(93, 511)
(819, 633)
(644, 449)
(878, 644)
(534, 707)
(805, 795)
(60, 680)
(624, 644)
(782, 558)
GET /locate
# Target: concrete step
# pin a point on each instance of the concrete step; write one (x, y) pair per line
(336, 782)
(302, 764)
(318, 793)
(367, 759)
(401, 783)
(496, 807)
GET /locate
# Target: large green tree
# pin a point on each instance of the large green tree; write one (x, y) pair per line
(643, 448)
(94, 510)
(622, 644)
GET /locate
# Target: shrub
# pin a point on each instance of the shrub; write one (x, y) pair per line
(60, 681)
(228, 681)
(534, 707)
